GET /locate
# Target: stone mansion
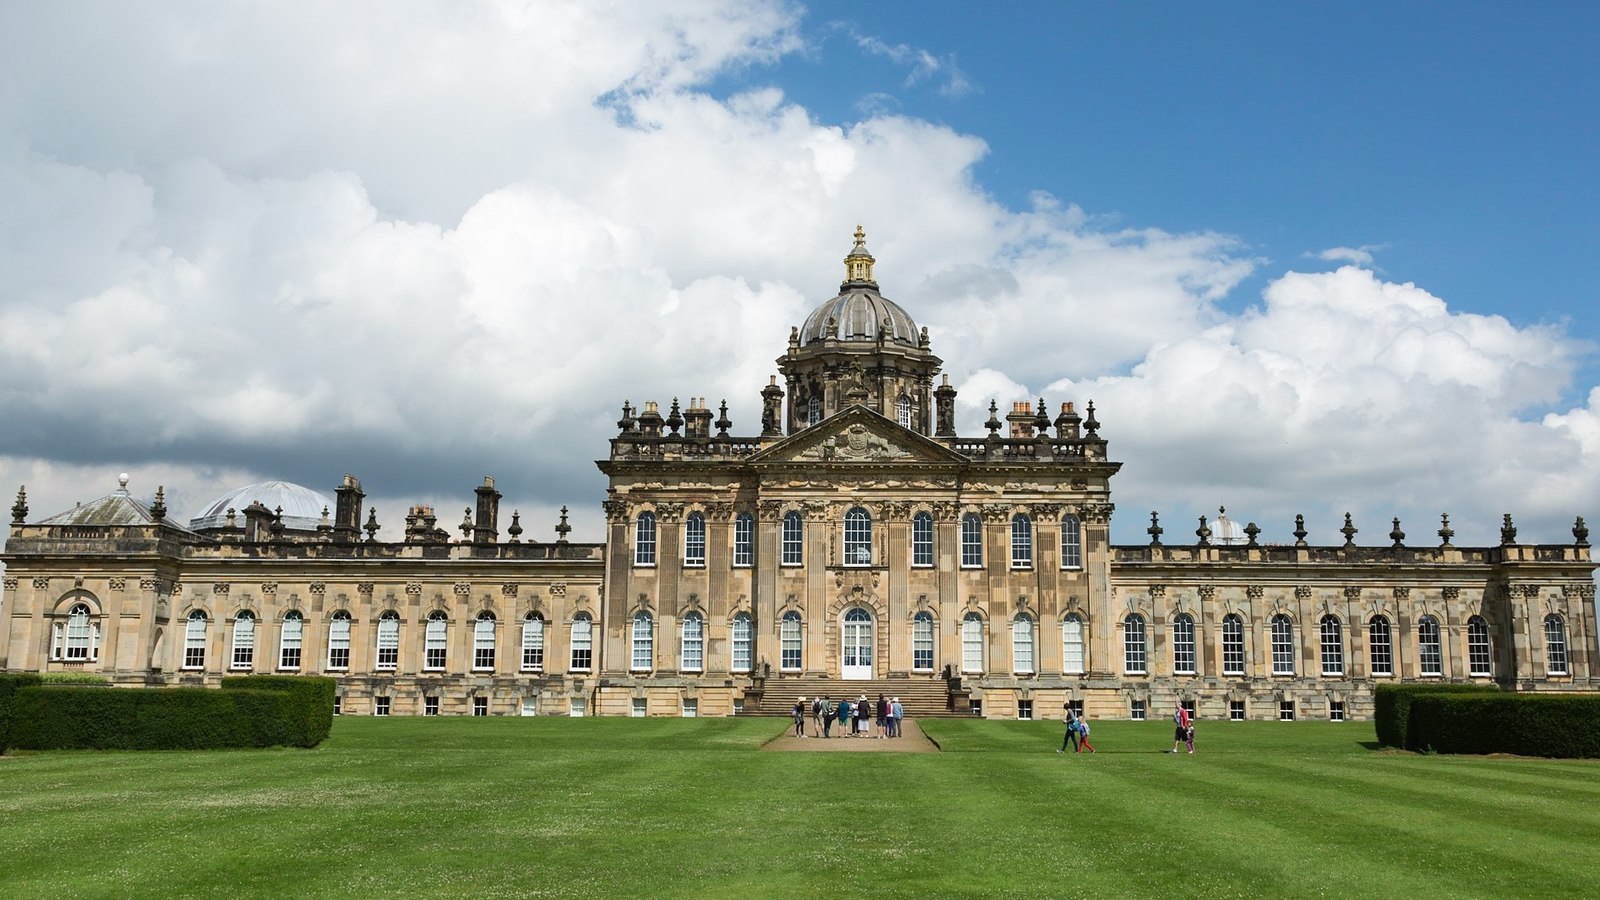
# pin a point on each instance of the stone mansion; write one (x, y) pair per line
(856, 544)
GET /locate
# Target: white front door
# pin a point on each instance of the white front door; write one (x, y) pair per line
(857, 637)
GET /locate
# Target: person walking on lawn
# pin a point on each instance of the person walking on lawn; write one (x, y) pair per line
(1180, 727)
(1083, 735)
(1072, 730)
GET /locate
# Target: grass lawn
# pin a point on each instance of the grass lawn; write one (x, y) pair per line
(463, 807)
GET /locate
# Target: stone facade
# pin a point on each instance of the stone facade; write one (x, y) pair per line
(855, 543)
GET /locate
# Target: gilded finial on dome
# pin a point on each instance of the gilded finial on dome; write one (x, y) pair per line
(861, 237)
(858, 265)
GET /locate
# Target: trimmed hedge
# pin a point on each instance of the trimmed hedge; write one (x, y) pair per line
(9, 685)
(1391, 706)
(245, 714)
(1559, 725)
(311, 706)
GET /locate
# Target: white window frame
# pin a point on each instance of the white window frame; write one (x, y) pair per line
(971, 541)
(1380, 650)
(483, 640)
(922, 642)
(857, 537)
(1480, 652)
(194, 640)
(692, 655)
(1332, 633)
(638, 707)
(1282, 629)
(744, 541)
(1135, 646)
(1233, 644)
(794, 539)
(436, 642)
(1022, 646)
(1021, 542)
(642, 653)
(791, 649)
(922, 540)
(902, 411)
(972, 643)
(1430, 648)
(388, 641)
(243, 655)
(742, 630)
(694, 540)
(480, 706)
(81, 641)
(1072, 645)
(813, 410)
(1285, 710)
(430, 704)
(581, 658)
(644, 539)
(1183, 645)
(1555, 645)
(291, 640)
(1071, 542)
(380, 705)
(339, 641)
(532, 643)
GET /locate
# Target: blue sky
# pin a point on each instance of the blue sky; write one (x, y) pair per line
(1305, 258)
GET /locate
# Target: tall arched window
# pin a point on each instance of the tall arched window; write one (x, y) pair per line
(813, 410)
(741, 642)
(1071, 543)
(922, 642)
(694, 540)
(483, 642)
(244, 640)
(1282, 645)
(1555, 645)
(1133, 644)
(693, 644)
(1022, 645)
(1430, 652)
(290, 635)
(388, 640)
(1021, 542)
(971, 541)
(1072, 644)
(789, 641)
(1332, 646)
(339, 641)
(902, 411)
(1479, 659)
(922, 540)
(532, 643)
(644, 642)
(80, 640)
(582, 642)
(857, 537)
(793, 539)
(194, 641)
(1380, 646)
(744, 540)
(972, 643)
(644, 540)
(1232, 644)
(435, 640)
(1183, 656)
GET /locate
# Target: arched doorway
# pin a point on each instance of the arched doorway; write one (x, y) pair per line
(857, 644)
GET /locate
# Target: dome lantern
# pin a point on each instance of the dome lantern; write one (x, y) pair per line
(858, 264)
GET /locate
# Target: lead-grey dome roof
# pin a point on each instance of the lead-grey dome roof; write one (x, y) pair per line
(302, 507)
(860, 312)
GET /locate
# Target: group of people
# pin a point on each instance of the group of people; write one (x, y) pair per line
(856, 718)
(1077, 732)
(1183, 729)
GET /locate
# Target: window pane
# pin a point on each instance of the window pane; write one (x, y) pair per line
(1232, 645)
(1430, 657)
(741, 643)
(922, 539)
(1555, 645)
(244, 641)
(1072, 645)
(744, 540)
(694, 540)
(435, 641)
(971, 540)
(857, 538)
(792, 539)
(194, 641)
(582, 642)
(1183, 661)
(1380, 646)
(483, 642)
(339, 641)
(972, 643)
(1332, 646)
(289, 645)
(388, 640)
(1478, 656)
(693, 643)
(532, 644)
(1282, 646)
(790, 639)
(1021, 542)
(644, 540)
(1071, 543)
(922, 642)
(1133, 645)
(643, 642)
(1022, 645)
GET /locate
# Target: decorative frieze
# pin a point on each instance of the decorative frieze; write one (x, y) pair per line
(364, 588)
(463, 589)
(117, 584)
(1451, 593)
(1302, 592)
(558, 589)
(509, 590)
(41, 584)
(221, 588)
(10, 584)
(318, 588)
(1352, 593)
(413, 589)
(1402, 594)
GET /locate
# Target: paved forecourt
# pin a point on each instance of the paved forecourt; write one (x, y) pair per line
(911, 740)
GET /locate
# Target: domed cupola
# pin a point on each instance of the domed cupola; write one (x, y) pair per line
(859, 348)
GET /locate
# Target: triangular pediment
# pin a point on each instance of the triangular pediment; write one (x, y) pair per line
(858, 436)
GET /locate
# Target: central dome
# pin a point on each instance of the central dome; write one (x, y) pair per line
(860, 313)
(302, 507)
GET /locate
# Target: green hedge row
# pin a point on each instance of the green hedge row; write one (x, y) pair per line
(9, 685)
(1559, 725)
(1391, 706)
(250, 711)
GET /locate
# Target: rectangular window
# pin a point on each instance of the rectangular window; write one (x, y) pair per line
(738, 706)
(977, 708)
(532, 644)
(1077, 707)
(1286, 711)
(922, 643)
(338, 705)
(1188, 707)
(1183, 646)
(971, 541)
(1478, 657)
(582, 643)
(480, 706)
(483, 645)
(1282, 646)
(1072, 646)
(1025, 709)
(1021, 543)
(744, 541)
(434, 644)
(1430, 658)
(388, 643)
(1071, 543)
(790, 634)
(1381, 647)
(922, 541)
(639, 708)
(1236, 710)
(694, 541)
(577, 707)
(1136, 711)
(339, 644)
(793, 538)
(430, 706)
(644, 540)
(1336, 710)
(289, 646)
(380, 706)
(741, 643)
(691, 708)
(1232, 645)
(643, 643)
(530, 706)
(693, 644)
